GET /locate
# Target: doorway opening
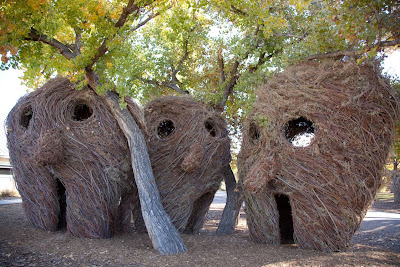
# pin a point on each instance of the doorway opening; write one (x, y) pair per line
(285, 219)
(62, 201)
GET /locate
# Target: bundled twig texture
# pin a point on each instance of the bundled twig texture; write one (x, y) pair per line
(189, 148)
(316, 194)
(71, 161)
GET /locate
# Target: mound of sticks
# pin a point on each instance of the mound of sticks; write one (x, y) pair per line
(71, 161)
(313, 152)
(189, 148)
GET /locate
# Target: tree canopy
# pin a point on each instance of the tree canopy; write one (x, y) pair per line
(217, 51)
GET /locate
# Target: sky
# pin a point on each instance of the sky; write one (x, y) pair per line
(12, 90)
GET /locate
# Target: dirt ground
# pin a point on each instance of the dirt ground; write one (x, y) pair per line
(23, 245)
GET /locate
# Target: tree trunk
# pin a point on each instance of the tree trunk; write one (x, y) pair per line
(396, 186)
(162, 232)
(233, 203)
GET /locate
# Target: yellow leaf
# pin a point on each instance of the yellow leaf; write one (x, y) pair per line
(100, 10)
(34, 4)
(114, 15)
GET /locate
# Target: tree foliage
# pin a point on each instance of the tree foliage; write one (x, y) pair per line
(218, 51)
(48, 37)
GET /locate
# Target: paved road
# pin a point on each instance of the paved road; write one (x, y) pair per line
(380, 229)
(381, 221)
(220, 197)
(10, 201)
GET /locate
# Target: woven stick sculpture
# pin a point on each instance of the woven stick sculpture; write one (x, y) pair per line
(313, 150)
(71, 161)
(189, 148)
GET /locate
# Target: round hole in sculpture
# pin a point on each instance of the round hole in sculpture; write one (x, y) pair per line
(165, 129)
(26, 117)
(254, 131)
(82, 112)
(300, 132)
(211, 127)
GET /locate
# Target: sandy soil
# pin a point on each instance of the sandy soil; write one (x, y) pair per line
(23, 245)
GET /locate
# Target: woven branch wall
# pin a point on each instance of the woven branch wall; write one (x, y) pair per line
(313, 150)
(70, 161)
(188, 147)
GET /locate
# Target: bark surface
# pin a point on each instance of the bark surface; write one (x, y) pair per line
(163, 234)
(232, 207)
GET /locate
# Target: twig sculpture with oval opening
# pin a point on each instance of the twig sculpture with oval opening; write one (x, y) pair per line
(71, 161)
(189, 149)
(313, 150)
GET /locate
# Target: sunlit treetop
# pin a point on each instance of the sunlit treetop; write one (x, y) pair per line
(218, 51)
(48, 37)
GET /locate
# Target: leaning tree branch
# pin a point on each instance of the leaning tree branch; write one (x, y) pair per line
(173, 84)
(175, 87)
(140, 24)
(130, 8)
(78, 42)
(261, 60)
(234, 74)
(389, 43)
(183, 58)
(233, 204)
(350, 53)
(101, 51)
(163, 234)
(170, 85)
(64, 50)
(238, 11)
(180, 64)
(353, 53)
(228, 89)
(221, 66)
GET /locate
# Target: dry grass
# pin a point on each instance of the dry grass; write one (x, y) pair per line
(9, 193)
(386, 196)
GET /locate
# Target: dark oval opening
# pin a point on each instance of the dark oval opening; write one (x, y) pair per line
(300, 132)
(26, 117)
(82, 112)
(165, 129)
(210, 127)
(254, 131)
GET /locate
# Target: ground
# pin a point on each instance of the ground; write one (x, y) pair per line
(23, 245)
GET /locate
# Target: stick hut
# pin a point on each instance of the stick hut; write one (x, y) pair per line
(70, 161)
(313, 150)
(189, 149)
